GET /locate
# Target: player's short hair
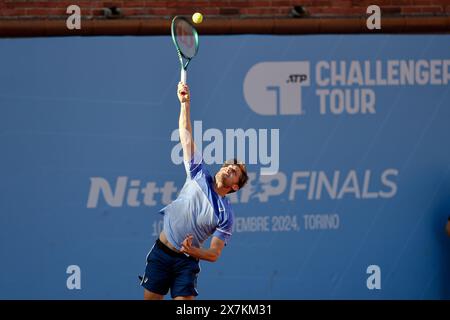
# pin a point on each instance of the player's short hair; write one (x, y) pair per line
(243, 177)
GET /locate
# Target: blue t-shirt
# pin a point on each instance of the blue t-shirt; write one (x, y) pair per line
(198, 209)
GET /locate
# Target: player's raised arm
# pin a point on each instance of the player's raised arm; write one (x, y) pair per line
(184, 122)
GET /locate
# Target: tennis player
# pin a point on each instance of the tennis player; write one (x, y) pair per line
(201, 210)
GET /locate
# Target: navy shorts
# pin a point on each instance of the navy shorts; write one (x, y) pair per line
(167, 269)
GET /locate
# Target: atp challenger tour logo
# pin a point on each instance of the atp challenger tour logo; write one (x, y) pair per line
(341, 87)
(272, 88)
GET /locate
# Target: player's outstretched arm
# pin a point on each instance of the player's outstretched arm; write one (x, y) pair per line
(184, 122)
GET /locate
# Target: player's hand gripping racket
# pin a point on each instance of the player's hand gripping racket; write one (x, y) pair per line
(185, 38)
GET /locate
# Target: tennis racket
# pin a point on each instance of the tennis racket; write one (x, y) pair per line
(185, 39)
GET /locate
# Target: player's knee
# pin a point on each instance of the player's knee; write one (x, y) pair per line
(184, 298)
(148, 295)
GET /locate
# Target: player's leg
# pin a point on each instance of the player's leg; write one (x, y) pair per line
(184, 286)
(148, 295)
(184, 298)
(158, 276)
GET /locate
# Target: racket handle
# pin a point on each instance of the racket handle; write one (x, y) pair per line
(183, 75)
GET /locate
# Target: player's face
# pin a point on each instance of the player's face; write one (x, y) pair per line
(229, 175)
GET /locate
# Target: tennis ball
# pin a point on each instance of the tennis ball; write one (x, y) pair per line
(197, 17)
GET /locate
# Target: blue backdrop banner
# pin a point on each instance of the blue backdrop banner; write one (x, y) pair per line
(346, 140)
